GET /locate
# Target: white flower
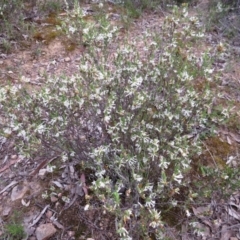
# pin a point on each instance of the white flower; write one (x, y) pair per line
(138, 81)
(219, 7)
(86, 207)
(50, 168)
(123, 232)
(150, 203)
(15, 89)
(225, 113)
(178, 178)
(107, 118)
(185, 12)
(45, 195)
(230, 159)
(100, 173)
(67, 103)
(23, 134)
(138, 178)
(85, 30)
(66, 199)
(109, 35)
(72, 29)
(185, 77)
(184, 153)
(209, 71)
(7, 131)
(188, 213)
(64, 157)
(174, 203)
(101, 184)
(100, 38)
(154, 224)
(84, 67)
(40, 129)
(186, 113)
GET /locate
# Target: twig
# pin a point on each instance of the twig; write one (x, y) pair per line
(69, 204)
(8, 165)
(8, 186)
(210, 155)
(39, 216)
(41, 165)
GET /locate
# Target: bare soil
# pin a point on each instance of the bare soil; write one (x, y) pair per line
(40, 60)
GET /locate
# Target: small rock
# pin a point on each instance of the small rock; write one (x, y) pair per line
(5, 194)
(67, 187)
(35, 187)
(41, 71)
(29, 231)
(56, 223)
(14, 157)
(12, 175)
(6, 211)
(18, 192)
(42, 173)
(53, 199)
(16, 61)
(67, 59)
(45, 231)
(32, 238)
(71, 233)
(57, 205)
(49, 214)
(90, 238)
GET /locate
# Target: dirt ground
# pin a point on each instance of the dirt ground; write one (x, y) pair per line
(21, 186)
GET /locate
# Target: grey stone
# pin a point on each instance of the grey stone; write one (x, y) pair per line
(18, 192)
(67, 59)
(42, 173)
(6, 211)
(45, 231)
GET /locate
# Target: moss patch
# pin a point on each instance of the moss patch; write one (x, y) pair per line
(46, 35)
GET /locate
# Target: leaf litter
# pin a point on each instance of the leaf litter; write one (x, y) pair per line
(220, 218)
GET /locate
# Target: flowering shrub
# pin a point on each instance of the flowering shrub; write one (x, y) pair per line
(130, 116)
(97, 32)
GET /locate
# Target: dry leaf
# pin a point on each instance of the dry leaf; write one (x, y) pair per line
(201, 211)
(26, 204)
(58, 184)
(85, 190)
(84, 186)
(225, 233)
(8, 186)
(229, 140)
(8, 165)
(235, 137)
(79, 190)
(57, 224)
(233, 213)
(83, 179)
